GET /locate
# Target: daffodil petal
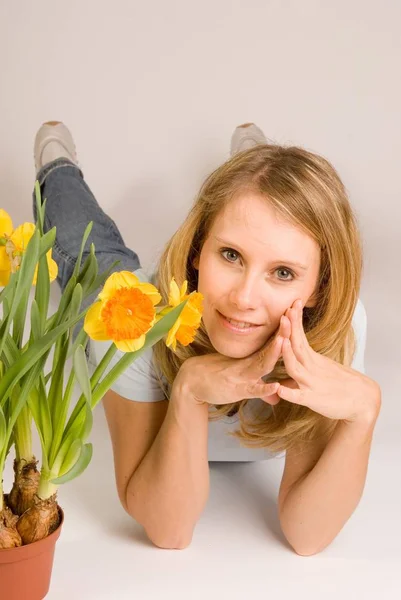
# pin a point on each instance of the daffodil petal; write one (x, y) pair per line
(193, 309)
(5, 264)
(93, 324)
(53, 269)
(174, 295)
(172, 332)
(35, 275)
(151, 291)
(4, 277)
(53, 266)
(131, 345)
(186, 335)
(116, 281)
(184, 288)
(21, 236)
(6, 224)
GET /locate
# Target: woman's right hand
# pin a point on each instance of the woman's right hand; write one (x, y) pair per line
(217, 379)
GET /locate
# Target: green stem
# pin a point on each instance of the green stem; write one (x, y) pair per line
(99, 390)
(23, 435)
(100, 369)
(61, 418)
(47, 489)
(1, 489)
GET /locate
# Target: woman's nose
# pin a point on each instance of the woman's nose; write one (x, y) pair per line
(245, 295)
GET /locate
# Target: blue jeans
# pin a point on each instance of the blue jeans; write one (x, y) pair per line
(70, 206)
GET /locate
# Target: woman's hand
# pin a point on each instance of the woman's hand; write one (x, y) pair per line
(322, 384)
(217, 379)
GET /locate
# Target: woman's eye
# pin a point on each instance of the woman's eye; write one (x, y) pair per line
(286, 271)
(228, 251)
(231, 256)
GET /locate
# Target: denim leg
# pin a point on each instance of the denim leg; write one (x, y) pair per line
(70, 206)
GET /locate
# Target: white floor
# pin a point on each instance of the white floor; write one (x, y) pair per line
(238, 550)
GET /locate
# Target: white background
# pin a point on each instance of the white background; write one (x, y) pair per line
(152, 92)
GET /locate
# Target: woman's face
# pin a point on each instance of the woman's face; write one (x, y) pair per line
(252, 267)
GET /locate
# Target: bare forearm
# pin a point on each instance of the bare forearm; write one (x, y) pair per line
(319, 505)
(169, 489)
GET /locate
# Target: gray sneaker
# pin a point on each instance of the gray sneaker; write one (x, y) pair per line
(53, 140)
(246, 136)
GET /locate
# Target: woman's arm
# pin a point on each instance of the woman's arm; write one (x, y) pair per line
(169, 489)
(317, 506)
(161, 453)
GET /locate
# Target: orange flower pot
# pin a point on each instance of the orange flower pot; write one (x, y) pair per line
(25, 572)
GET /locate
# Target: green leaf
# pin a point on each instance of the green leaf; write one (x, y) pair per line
(44, 410)
(60, 356)
(35, 321)
(76, 300)
(7, 290)
(22, 399)
(39, 407)
(79, 467)
(6, 309)
(56, 386)
(60, 419)
(88, 277)
(82, 373)
(64, 303)
(31, 356)
(101, 279)
(40, 248)
(82, 339)
(24, 283)
(71, 432)
(88, 423)
(77, 266)
(3, 429)
(42, 292)
(71, 456)
(11, 352)
(40, 209)
(100, 369)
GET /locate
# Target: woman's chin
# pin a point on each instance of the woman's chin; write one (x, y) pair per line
(233, 349)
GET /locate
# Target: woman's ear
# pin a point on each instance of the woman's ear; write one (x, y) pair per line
(195, 263)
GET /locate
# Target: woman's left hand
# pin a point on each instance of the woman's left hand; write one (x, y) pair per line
(322, 384)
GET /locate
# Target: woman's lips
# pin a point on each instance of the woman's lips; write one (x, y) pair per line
(239, 330)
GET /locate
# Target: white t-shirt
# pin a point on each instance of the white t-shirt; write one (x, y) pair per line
(140, 384)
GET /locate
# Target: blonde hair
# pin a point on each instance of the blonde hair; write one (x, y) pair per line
(305, 189)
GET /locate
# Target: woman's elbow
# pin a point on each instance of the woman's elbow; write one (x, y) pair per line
(169, 542)
(304, 550)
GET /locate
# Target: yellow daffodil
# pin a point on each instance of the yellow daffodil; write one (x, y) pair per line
(124, 312)
(188, 322)
(14, 247)
(6, 229)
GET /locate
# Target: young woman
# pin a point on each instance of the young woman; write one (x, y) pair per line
(277, 365)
